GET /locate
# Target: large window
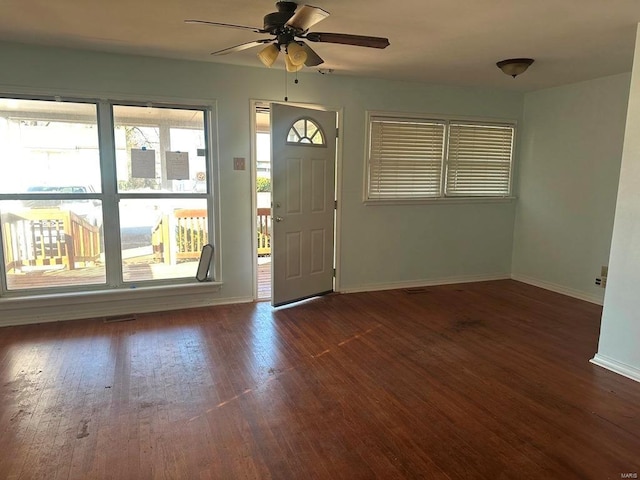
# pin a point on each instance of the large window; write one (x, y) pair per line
(101, 195)
(417, 159)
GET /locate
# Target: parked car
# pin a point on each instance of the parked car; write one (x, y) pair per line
(87, 208)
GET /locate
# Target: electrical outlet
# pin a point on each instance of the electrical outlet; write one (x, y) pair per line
(601, 281)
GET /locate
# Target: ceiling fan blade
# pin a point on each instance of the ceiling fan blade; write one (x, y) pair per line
(306, 16)
(242, 46)
(228, 25)
(347, 39)
(313, 59)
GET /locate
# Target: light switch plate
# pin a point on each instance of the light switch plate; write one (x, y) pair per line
(238, 163)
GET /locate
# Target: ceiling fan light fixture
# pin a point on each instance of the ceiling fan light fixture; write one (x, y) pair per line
(296, 53)
(290, 23)
(291, 68)
(514, 66)
(269, 54)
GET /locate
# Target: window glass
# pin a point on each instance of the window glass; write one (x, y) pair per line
(52, 226)
(52, 243)
(416, 159)
(405, 159)
(162, 238)
(48, 144)
(479, 159)
(305, 131)
(160, 149)
(52, 207)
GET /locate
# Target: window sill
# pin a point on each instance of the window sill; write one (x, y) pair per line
(24, 309)
(439, 200)
(111, 295)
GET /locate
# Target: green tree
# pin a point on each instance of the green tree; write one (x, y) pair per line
(263, 184)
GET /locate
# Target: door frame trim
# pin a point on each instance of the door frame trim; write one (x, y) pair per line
(253, 103)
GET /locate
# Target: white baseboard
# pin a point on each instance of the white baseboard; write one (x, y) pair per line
(617, 367)
(374, 287)
(554, 287)
(55, 308)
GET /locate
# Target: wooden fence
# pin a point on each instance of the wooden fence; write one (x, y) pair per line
(49, 237)
(264, 231)
(189, 228)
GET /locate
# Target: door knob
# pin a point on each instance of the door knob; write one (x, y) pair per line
(278, 219)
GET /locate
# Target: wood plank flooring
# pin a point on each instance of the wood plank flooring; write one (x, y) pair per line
(477, 381)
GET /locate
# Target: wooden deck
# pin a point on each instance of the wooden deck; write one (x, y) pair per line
(95, 275)
(134, 272)
(476, 381)
(59, 230)
(264, 278)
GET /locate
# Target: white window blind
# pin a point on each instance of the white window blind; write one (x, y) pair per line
(479, 160)
(405, 159)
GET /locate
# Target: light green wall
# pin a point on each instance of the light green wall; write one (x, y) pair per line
(381, 245)
(570, 152)
(389, 245)
(569, 143)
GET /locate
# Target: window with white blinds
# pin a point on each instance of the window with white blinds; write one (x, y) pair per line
(479, 160)
(413, 159)
(405, 159)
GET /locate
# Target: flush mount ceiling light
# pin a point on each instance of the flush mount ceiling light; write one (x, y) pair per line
(514, 66)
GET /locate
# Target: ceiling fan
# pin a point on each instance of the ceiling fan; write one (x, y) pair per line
(287, 26)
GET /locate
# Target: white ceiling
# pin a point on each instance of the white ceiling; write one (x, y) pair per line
(442, 42)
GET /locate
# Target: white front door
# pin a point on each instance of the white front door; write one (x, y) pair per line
(303, 143)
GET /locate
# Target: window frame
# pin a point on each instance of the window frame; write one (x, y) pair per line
(109, 196)
(443, 197)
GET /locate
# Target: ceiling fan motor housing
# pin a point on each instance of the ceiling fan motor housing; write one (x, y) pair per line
(274, 22)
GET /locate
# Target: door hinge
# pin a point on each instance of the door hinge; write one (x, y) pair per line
(334, 272)
(335, 204)
(337, 132)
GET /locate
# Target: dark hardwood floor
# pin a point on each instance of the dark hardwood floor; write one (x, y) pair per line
(476, 381)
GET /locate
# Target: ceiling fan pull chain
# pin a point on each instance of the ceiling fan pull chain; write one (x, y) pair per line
(286, 98)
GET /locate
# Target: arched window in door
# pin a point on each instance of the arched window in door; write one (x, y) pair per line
(307, 132)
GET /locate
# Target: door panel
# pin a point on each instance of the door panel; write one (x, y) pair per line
(318, 185)
(318, 254)
(294, 185)
(294, 255)
(303, 172)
